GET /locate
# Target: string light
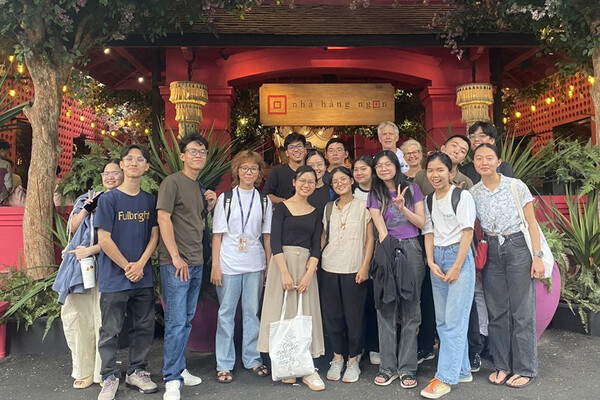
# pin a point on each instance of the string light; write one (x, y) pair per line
(518, 114)
(129, 123)
(113, 133)
(591, 80)
(68, 114)
(141, 79)
(533, 108)
(93, 125)
(548, 100)
(110, 111)
(505, 120)
(82, 118)
(107, 50)
(12, 92)
(103, 132)
(65, 88)
(21, 68)
(137, 124)
(121, 123)
(243, 121)
(146, 131)
(11, 58)
(570, 93)
(553, 99)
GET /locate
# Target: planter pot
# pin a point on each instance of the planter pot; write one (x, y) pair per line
(204, 327)
(21, 341)
(546, 301)
(3, 307)
(567, 320)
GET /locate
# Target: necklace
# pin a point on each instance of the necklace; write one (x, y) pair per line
(344, 212)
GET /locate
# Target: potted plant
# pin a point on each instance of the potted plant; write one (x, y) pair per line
(580, 294)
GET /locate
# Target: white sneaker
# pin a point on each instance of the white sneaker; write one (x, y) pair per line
(314, 381)
(374, 357)
(189, 379)
(352, 372)
(172, 390)
(335, 371)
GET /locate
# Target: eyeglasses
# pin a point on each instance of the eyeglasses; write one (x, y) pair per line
(316, 165)
(293, 147)
(303, 182)
(244, 169)
(114, 174)
(341, 181)
(412, 153)
(197, 152)
(130, 159)
(386, 165)
(477, 136)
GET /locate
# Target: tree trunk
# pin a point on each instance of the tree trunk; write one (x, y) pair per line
(39, 207)
(595, 91)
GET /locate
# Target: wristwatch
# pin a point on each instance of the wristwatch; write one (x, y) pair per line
(539, 254)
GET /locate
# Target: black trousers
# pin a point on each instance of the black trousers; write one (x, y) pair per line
(372, 331)
(343, 304)
(139, 305)
(473, 334)
(426, 337)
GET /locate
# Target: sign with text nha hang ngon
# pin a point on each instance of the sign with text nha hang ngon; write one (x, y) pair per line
(335, 104)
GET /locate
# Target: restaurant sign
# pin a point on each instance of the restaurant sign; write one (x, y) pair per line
(334, 104)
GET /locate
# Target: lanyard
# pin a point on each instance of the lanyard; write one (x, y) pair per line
(244, 223)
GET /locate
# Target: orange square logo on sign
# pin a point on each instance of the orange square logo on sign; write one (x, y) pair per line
(277, 104)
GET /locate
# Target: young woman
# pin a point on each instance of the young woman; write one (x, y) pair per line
(363, 174)
(508, 276)
(398, 213)
(321, 195)
(413, 154)
(346, 225)
(448, 234)
(80, 313)
(241, 260)
(296, 244)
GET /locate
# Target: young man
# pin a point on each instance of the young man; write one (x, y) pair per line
(180, 217)
(278, 186)
(479, 133)
(336, 154)
(457, 147)
(128, 235)
(388, 135)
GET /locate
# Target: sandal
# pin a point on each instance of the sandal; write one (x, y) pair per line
(387, 379)
(406, 378)
(495, 376)
(260, 370)
(516, 377)
(224, 377)
(83, 383)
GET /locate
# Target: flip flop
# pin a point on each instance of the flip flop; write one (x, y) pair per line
(531, 379)
(83, 383)
(224, 377)
(503, 381)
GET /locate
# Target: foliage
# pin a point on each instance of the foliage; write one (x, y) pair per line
(8, 110)
(578, 165)
(581, 240)
(245, 120)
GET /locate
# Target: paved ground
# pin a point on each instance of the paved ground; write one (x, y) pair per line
(569, 369)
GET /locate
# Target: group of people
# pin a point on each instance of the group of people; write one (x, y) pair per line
(380, 255)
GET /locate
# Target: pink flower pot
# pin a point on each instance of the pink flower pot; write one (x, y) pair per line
(546, 302)
(3, 307)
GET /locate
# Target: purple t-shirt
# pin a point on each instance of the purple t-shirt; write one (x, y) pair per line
(398, 225)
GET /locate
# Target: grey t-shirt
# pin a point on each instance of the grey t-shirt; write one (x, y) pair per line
(181, 197)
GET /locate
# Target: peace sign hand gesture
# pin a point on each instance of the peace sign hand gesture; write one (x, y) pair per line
(399, 199)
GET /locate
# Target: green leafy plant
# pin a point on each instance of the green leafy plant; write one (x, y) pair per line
(580, 231)
(578, 165)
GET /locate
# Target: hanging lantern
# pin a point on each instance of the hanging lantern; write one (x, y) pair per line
(474, 100)
(189, 98)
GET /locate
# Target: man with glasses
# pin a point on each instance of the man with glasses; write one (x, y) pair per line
(278, 186)
(180, 217)
(127, 235)
(388, 135)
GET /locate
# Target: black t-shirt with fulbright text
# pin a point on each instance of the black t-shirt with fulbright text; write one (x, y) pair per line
(129, 220)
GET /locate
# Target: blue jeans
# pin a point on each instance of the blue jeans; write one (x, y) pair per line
(452, 309)
(249, 287)
(181, 299)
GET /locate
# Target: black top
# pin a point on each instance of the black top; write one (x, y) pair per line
(319, 198)
(279, 182)
(327, 178)
(302, 230)
(469, 170)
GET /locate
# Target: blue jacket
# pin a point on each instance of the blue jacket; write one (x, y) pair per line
(69, 278)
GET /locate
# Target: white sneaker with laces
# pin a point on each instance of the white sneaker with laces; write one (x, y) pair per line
(352, 372)
(189, 379)
(172, 390)
(335, 371)
(314, 381)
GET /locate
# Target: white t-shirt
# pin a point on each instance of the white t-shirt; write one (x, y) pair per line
(234, 262)
(403, 165)
(360, 194)
(448, 226)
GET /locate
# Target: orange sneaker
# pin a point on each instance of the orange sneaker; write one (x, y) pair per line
(435, 389)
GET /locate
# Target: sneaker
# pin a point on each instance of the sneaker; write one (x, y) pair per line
(172, 390)
(189, 379)
(314, 381)
(335, 371)
(475, 362)
(424, 355)
(352, 372)
(435, 389)
(374, 357)
(464, 378)
(141, 381)
(109, 388)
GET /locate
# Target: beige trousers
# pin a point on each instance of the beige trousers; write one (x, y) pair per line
(81, 322)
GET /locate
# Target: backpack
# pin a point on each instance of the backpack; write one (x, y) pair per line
(454, 200)
(328, 210)
(227, 204)
(206, 233)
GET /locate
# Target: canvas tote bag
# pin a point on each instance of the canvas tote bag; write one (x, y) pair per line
(289, 344)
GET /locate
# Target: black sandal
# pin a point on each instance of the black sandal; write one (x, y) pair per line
(224, 377)
(408, 377)
(260, 371)
(512, 385)
(387, 379)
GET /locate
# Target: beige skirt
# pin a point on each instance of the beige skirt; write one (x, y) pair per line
(295, 258)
